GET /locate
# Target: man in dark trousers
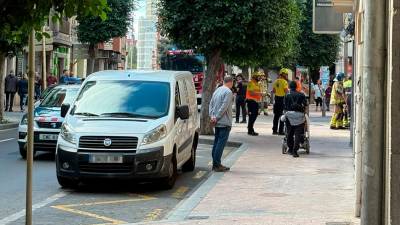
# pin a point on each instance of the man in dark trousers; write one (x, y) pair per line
(280, 88)
(295, 106)
(240, 99)
(10, 85)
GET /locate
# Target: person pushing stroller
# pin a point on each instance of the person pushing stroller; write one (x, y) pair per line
(295, 107)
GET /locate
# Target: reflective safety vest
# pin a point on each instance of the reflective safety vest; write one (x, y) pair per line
(254, 87)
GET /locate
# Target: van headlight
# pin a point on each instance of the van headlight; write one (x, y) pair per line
(155, 135)
(67, 134)
(24, 120)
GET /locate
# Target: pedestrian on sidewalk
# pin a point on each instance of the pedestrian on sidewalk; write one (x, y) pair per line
(295, 105)
(240, 98)
(253, 97)
(221, 117)
(51, 79)
(318, 94)
(328, 92)
(38, 86)
(64, 78)
(23, 91)
(280, 88)
(10, 85)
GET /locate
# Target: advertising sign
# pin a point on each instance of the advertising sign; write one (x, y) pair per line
(326, 20)
(324, 75)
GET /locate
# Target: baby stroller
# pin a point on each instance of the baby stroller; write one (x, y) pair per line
(305, 143)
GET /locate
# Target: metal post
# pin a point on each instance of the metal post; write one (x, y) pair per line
(29, 156)
(373, 105)
(44, 69)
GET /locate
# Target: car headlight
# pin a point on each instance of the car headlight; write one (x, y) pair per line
(24, 120)
(67, 134)
(155, 135)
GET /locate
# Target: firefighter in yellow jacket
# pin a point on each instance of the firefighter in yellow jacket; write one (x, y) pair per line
(338, 100)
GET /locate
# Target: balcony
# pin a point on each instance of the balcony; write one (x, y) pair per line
(62, 32)
(343, 6)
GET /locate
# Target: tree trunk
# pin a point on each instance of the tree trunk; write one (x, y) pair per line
(91, 60)
(245, 72)
(2, 59)
(214, 62)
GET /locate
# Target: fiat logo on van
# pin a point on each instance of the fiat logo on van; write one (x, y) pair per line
(107, 142)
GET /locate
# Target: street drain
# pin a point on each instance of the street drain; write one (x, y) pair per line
(198, 217)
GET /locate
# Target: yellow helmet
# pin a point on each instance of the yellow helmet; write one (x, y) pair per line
(284, 71)
(257, 74)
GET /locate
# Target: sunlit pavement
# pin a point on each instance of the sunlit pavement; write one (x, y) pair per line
(266, 187)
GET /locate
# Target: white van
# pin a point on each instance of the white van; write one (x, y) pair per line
(129, 125)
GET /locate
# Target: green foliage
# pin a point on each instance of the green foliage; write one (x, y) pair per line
(316, 49)
(252, 32)
(93, 30)
(18, 17)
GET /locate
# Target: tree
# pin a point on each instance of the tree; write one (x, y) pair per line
(243, 32)
(19, 17)
(316, 50)
(93, 30)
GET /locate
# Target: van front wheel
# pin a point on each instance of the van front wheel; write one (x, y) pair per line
(169, 182)
(190, 165)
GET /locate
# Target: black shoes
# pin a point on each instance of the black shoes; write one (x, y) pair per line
(281, 133)
(252, 133)
(295, 155)
(274, 133)
(243, 121)
(220, 168)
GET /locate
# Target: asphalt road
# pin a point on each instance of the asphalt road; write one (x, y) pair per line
(97, 203)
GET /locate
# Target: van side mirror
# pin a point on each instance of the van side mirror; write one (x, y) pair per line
(183, 112)
(64, 109)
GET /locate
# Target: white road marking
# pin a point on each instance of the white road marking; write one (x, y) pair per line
(5, 130)
(20, 214)
(8, 139)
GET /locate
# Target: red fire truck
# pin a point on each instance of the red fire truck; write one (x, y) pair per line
(186, 60)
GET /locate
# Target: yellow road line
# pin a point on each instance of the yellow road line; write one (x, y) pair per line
(83, 213)
(199, 174)
(69, 208)
(180, 192)
(155, 214)
(143, 198)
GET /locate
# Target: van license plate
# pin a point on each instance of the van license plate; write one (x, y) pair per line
(48, 137)
(105, 159)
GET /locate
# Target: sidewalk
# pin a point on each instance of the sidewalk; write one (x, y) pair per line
(266, 187)
(12, 118)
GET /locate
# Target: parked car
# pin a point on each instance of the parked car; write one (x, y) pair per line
(129, 125)
(47, 118)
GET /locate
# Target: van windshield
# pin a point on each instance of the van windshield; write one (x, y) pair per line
(141, 99)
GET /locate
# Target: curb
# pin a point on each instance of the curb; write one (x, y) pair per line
(182, 211)
(8, 126)
(209, 140)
